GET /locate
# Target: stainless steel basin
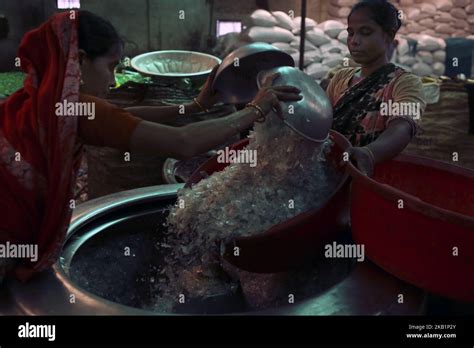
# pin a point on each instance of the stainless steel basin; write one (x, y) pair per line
(95, 276)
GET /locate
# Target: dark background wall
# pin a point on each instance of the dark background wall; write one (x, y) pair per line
(146, 25)
(22, 16)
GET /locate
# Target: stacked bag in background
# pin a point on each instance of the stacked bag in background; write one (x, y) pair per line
(441, 18)
(429, 58)
(325, 44)
(427, 22)
(438, 18)
(340, 9)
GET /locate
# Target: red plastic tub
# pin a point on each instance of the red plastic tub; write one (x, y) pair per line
(412, 216)
(291, 243)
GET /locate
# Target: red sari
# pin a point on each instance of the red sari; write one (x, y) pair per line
(39, 156)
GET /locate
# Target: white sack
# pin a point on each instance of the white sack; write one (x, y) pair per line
(284, 20)
(270, 35)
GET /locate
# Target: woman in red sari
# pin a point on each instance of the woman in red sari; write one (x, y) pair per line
(72, 58)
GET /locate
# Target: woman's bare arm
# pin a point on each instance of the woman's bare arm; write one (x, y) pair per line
(199, 137)
(163, 114)
(168, 114)
(392, 141)
(190, 140)
(407, 89)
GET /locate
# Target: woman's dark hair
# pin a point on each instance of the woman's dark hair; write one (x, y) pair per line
(96, 35)
(382, 12)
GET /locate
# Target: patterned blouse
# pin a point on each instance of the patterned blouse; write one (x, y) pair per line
(362, 112)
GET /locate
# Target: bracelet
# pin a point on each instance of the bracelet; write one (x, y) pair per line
(259, 110)
(371, 154)
(203, 109)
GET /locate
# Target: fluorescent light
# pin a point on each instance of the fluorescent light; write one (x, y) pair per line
(226, 27)
(64, 4)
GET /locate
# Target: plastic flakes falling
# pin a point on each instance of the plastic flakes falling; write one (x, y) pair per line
(290, 178)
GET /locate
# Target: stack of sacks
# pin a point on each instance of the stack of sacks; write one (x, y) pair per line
(262, 26)
(429, 59)
(470, 19)
(330, 37)
(442, 18)
(340, 9)
(325, 46)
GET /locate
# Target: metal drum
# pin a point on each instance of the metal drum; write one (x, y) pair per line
(94, 276)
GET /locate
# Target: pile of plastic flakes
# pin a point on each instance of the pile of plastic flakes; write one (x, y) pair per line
(291, 176)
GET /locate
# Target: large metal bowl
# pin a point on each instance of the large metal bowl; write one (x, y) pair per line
(105, 281)
(175, 64)
(311, 116)
(236, 78)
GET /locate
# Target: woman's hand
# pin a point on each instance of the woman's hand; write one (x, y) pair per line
(269, 97)
(200, 137)
(389, 144)
(208, 97)
(364, 160)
